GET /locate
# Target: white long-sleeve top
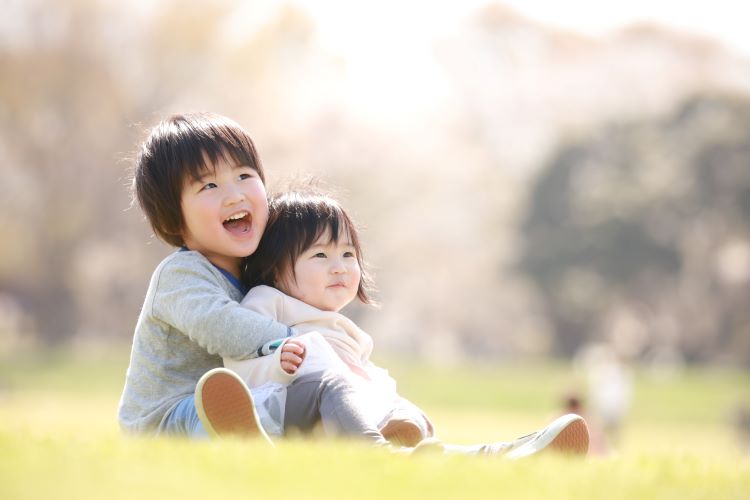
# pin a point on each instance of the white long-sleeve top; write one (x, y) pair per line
(332, 342)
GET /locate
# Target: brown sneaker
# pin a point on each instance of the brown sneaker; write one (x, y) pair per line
(402, 432)
(225, 406)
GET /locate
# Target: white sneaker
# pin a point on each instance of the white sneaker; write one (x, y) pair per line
(568, 434)
(225, 406)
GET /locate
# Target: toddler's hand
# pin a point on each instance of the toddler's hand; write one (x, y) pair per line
(292, 355)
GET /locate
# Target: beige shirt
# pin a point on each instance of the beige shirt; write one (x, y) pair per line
(332, 342)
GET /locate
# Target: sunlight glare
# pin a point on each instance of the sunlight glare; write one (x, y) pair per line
(388, 50)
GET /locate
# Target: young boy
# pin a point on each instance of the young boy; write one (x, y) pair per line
(200, 183)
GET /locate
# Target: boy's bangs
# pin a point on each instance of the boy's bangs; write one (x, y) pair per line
(209, 143)
(203, 162)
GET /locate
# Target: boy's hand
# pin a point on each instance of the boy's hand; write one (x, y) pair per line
(292, 354)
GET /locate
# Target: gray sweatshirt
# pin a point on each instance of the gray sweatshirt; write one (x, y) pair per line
(191, 318)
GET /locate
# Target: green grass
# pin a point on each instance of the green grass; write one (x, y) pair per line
(59, 439)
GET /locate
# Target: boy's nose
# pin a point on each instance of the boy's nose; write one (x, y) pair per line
(233, 195)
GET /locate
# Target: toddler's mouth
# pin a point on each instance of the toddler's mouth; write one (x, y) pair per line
(238, 223)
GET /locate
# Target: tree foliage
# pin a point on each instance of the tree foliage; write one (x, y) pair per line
(649, 220)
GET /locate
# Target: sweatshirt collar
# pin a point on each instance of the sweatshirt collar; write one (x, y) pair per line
(229, 276)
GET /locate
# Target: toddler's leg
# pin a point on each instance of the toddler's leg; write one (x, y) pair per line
(402, 432)
(329, 397)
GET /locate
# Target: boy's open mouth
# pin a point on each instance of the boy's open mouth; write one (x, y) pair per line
(238, 223)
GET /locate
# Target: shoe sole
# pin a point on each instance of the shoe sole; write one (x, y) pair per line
(402, 432)
(573, 439)
(225, 406)
(568, 434)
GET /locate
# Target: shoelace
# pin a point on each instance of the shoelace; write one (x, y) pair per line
(495, 448)
(504, 447)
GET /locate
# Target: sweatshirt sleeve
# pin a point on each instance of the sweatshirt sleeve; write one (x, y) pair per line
(258, 371)
(191, 300)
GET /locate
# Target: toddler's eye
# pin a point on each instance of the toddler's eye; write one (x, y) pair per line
(349, 254)
(246, 176)
(210, 185)
(320, 255)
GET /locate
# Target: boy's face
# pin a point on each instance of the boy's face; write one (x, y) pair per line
(225, 213)
(326, 275)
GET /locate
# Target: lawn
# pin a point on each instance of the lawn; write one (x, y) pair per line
(59, 439)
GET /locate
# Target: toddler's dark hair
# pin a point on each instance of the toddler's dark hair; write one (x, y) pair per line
(183, 147)
(296, 220)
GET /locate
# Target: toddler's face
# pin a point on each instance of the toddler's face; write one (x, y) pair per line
(225, 213)
(326, 275)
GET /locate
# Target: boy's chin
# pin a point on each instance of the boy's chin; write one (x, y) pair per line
(247, 248)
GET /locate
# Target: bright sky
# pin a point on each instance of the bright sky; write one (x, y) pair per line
(343, 20)
(388, 44)
(726, 20)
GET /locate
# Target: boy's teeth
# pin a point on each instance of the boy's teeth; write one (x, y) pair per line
(236, 216)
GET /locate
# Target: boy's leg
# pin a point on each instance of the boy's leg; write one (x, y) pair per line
(225, 406)
(329, 397)
(567, 434)
(183, 420)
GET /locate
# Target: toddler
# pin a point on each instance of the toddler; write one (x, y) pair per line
(307, 267)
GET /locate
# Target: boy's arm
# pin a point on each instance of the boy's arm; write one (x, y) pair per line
(189, 297)
(256, 372)
(268, 348)
(280, 366)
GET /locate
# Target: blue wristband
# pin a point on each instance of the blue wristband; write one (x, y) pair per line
(269, 348)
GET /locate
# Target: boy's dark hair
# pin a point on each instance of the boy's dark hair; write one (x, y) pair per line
(296, 220)
(182, 147)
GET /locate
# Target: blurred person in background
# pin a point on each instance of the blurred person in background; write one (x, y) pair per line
(609, 388)
(573, 402)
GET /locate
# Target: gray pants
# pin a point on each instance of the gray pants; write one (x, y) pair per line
(330, 398)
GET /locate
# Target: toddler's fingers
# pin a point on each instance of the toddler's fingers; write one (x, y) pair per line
(288, 367)
(294, 347)
(291, 358)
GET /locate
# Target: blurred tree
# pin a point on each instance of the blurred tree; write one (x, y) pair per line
(75, 75)
(651, 218)
(58, 95)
